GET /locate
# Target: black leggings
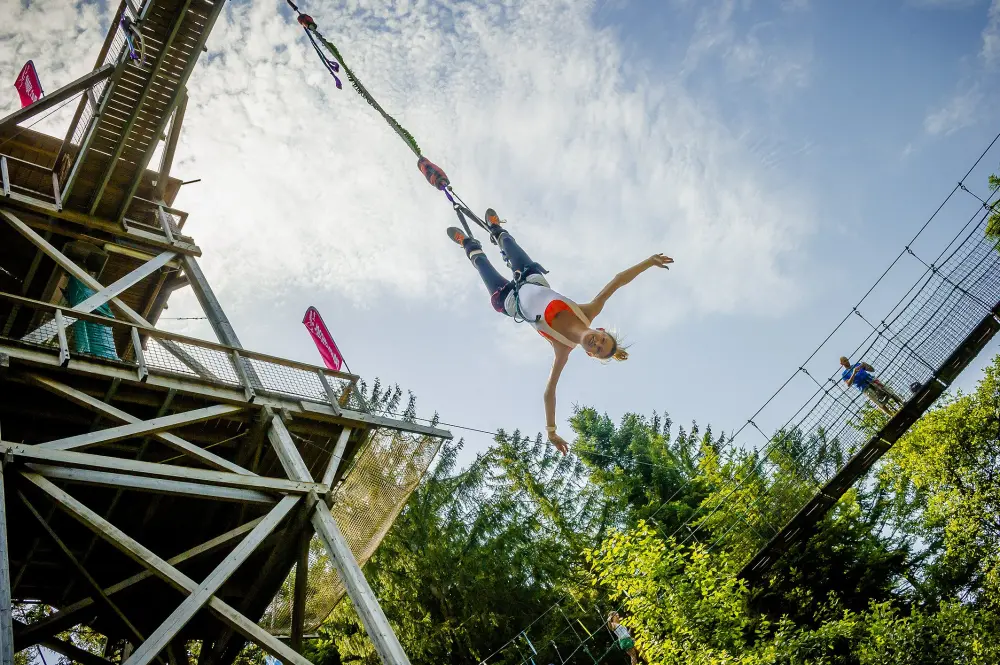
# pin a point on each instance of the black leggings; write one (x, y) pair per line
(517, 259)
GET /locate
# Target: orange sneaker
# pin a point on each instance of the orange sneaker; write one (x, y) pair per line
(492, 217)
(457, 234)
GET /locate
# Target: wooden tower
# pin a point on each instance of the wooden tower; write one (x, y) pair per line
(159, 488)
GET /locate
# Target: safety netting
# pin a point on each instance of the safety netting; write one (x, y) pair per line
(366, 503)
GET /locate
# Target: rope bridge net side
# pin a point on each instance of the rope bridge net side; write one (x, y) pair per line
(366, 504)
(906, 348)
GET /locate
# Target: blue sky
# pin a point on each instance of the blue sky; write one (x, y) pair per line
(781, 152)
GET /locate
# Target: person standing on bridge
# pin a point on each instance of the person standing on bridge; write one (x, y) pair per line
(561, 321)
(861, 376)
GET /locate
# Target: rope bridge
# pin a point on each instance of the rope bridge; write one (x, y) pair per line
(917, 349)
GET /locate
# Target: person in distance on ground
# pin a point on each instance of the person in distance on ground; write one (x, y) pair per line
(622, 637)
(861, 376)
(561, 321)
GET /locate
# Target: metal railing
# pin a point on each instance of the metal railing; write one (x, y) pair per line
(150, 351)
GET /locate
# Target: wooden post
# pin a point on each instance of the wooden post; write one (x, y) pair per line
(243, 376)
(55, 191)
(6, 626)
(331, 396)
(164, 221)
(61, 334)
(301, 584)
(336, 457)
(376, 624)
(5, 176)
(140, 356)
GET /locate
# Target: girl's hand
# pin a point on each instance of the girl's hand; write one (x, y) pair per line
(559, 443)
(659, 261)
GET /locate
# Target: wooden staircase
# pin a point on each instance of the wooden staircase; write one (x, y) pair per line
(121, 121)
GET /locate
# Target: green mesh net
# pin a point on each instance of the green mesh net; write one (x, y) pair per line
(367, 502)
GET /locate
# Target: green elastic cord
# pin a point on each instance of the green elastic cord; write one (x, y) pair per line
(398, 128)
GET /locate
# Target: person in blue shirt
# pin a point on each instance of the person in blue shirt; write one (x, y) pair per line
(861, 376)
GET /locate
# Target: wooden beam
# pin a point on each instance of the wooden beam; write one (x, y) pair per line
(155, 485)
(142, 555)
(49, 210)
(102, 296)
(330, 394)
(336, 457)
(6, 617)
(69, 616)
(55, 98)
(301, 586)
(4, 176)
(167, 160)
(140, 355)
(150, 470)
(70, 266)
(87, 401)
(154, 426)
(208, 588)
(372, 617)
(61, 336)
(56, 195)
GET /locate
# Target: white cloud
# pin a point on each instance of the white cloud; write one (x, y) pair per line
(761, 54)
(62, 39)
(525, 104)
(960, 112)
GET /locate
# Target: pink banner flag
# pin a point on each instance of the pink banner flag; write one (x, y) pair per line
(28, 85)
(323, 339)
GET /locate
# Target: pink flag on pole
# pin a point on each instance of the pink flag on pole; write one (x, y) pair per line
(323, 339)
(27, 84)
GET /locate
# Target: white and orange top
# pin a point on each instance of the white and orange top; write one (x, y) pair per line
(540, 304)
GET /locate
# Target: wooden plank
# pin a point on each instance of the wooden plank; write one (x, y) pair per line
(150, 470)
(142, 427)
(155, 485)
(4, 176)
(165, 571)
(55, 98)
(199, 596)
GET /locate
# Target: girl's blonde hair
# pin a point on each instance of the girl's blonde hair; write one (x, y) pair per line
(620, 353)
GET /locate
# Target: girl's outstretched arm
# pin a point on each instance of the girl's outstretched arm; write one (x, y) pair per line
(594, 307)
(561, 356)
